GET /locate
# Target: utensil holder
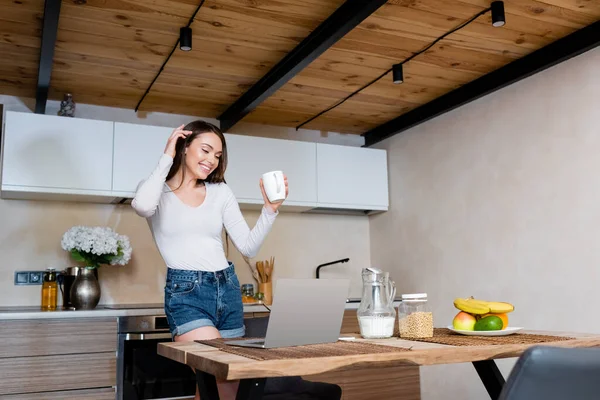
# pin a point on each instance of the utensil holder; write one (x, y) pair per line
(266, 288)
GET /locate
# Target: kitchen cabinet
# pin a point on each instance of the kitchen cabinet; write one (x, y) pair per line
(86, 394)
(45, 153)
(250, 157)
(399, 382)
(382, 383)
(352, 177)
(137, 150)
(51, 373)
(47, 157)
(41, 357)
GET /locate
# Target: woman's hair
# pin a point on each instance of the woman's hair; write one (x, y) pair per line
(197, 128)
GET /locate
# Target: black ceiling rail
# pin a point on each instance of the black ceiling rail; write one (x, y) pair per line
(561, 50)
(49, 32)
(343, 20)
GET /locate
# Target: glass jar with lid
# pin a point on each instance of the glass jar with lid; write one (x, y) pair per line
(248, 293)
(415, 318)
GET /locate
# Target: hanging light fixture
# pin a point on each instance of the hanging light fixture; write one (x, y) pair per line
(397, 73)
(498, 13)
(185, 38)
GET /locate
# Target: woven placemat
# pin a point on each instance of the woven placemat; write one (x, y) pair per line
(339, 348)
(446, 336)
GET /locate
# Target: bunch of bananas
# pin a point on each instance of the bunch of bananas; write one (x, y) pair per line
(482, 307)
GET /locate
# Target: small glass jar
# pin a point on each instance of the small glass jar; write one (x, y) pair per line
(248, 293)
(415, 318)
(248, 290)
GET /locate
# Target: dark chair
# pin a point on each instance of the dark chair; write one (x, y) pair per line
(552, 373)
(293, 387)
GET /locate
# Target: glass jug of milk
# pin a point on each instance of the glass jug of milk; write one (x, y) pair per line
(376, 313)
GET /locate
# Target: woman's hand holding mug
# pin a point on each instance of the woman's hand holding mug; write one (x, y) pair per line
(274, 188)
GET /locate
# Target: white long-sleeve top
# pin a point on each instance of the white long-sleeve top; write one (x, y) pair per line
(190, 237)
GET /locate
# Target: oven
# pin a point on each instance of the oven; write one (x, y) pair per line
(141, 372)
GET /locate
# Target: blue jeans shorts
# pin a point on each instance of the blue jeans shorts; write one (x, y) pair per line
(194, 299)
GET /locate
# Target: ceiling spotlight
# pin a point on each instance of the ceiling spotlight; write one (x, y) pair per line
(185, 38)
(397, 73)
(498, 13)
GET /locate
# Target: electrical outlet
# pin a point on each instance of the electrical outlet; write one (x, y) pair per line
(28, 277)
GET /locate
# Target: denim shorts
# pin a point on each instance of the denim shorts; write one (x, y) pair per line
(194, 299)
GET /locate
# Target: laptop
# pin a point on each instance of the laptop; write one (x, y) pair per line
(304, 311)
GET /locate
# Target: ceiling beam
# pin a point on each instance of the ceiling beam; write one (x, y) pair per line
(561, 50)
(343, 20)
(49, 31)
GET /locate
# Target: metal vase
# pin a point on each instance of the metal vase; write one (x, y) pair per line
(85, 292)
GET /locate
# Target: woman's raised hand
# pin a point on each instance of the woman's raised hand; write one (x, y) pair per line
(172, 142)
(274, 206)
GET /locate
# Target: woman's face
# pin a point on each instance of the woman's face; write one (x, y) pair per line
(203, 154)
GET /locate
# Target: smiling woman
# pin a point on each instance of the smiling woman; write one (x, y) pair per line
(205, 158)
(187, 204)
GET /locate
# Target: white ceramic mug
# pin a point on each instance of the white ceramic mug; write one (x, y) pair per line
(274, 186)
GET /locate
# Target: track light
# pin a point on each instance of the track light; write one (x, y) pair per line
(498, 13)
(185, 38)
(397, 73)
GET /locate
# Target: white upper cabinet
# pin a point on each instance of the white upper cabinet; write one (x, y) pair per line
(61, 154)
(250, 157)
(137, 151)
(352, 177)
(74, 159)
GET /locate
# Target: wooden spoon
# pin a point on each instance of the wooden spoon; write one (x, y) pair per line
(261, 272)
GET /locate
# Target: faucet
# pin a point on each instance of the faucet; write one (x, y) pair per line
(343, 260)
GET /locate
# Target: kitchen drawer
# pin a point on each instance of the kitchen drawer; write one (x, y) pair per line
(91, 394)
(53, 373)
(375, 383)
(44, 337)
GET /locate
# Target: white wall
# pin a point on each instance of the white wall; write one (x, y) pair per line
(500, 199)
(30, 231)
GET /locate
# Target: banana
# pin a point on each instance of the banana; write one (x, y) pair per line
(472, 306)
(480, 307)
(499, 307)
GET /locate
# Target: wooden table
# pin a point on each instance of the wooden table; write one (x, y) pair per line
(211, 363)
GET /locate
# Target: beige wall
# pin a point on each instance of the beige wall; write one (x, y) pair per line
(500, 199)
(30, 236)
(30, 231)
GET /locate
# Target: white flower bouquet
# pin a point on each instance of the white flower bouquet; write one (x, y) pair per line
(96, 245)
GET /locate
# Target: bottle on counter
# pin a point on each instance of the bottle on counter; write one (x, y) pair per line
(49, 290)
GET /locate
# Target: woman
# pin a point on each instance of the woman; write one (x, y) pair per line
(187, 203)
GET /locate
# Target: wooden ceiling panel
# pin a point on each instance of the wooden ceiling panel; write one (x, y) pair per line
(543, 11)
(109, 51)
(263, 115)
(20, 32)
(403, 27)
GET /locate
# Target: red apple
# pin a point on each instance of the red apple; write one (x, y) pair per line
(464, 321)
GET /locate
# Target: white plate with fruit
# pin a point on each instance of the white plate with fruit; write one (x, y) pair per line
(503, 332)
(482, 318)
